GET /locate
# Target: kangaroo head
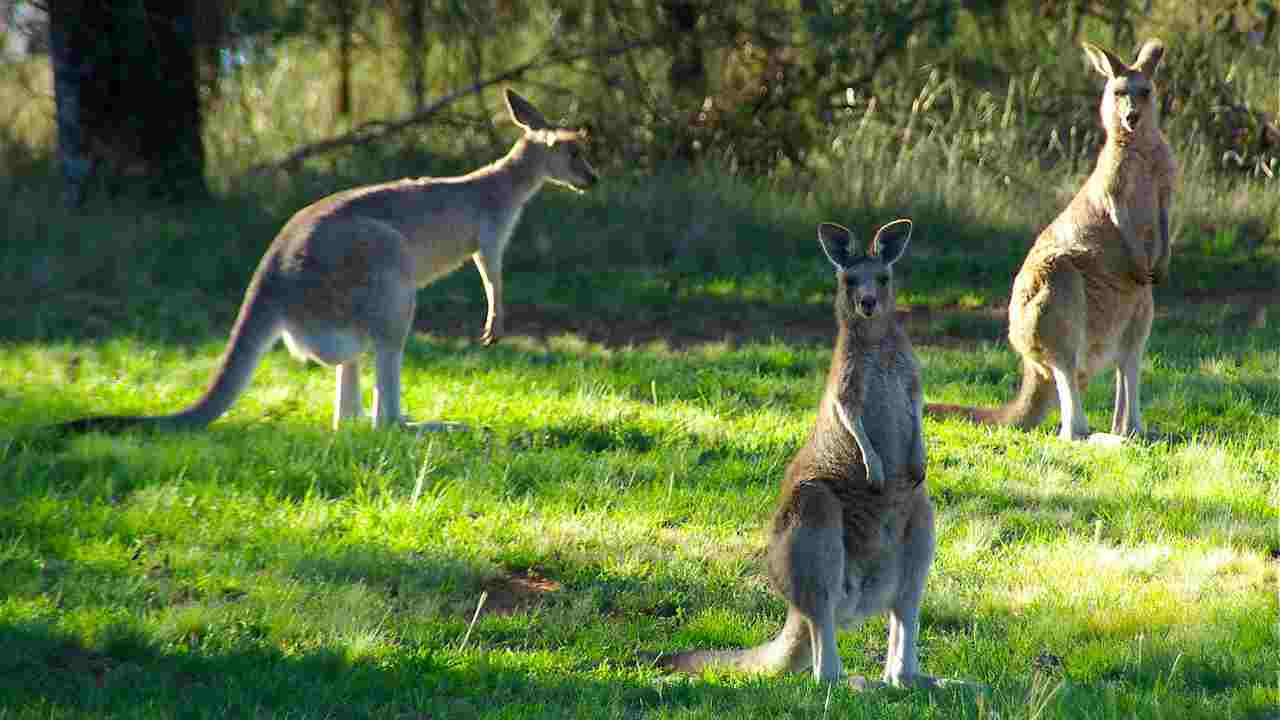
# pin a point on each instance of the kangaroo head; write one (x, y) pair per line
(1129, 100)
(564, 159)
(865, 278)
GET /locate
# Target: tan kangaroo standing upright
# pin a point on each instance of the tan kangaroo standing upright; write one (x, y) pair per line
(1082, 300)
(346, 269)
(853, 532)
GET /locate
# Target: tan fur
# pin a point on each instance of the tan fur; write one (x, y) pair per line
(1082, 301)
(346, 269)
(853, 533)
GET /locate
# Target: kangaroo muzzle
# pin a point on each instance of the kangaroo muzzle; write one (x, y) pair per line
(1130, 115)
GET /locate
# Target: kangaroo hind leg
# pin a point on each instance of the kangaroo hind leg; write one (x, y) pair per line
(1126, 421)
(391, 321)
(346, 400)
(807, 563)
(384, 305)
(1075, 424)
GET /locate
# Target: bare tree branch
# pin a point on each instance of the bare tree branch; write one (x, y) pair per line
(380, 129)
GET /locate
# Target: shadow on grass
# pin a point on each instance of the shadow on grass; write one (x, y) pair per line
(46, 669)
(237, 672)
(1119, 518)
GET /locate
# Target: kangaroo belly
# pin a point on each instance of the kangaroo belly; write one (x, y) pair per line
(872, 588)
(1124, 319)
(327, 346)
(876, 552)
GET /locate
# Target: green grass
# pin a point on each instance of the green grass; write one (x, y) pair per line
(612, 499)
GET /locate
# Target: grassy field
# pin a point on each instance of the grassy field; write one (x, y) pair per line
(670, 338)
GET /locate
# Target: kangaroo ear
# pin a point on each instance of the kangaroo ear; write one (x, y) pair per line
(837, 243)
(1105, 61)
(891, 241)
(524, 113)
(1149, 57)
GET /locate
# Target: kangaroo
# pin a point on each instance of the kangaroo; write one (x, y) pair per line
(853, 531)
(347, 268)
(1082, 300)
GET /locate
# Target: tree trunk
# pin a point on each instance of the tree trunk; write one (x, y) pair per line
(416, 27)
(346, 28)
(687, 75)
(127, 96)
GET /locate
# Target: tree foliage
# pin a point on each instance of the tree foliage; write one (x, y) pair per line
(756, 85)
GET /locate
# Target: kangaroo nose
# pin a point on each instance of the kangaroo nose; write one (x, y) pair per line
(868, 305)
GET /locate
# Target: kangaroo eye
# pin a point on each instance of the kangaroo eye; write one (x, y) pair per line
(1121, 92)
(882, 280)
(1144, 93)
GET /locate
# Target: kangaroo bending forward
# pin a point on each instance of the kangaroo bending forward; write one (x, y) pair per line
(853, 532)
(347, 268)
(1082, 300)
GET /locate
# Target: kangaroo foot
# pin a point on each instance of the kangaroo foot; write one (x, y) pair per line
(920, 682)
(928, 682)
(859, 683)
(1108, 439)
(434, 426)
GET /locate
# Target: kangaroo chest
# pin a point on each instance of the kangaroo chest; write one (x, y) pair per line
(888, 415)
(1129, 187)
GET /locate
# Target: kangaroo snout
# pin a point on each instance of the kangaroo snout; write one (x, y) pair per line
(1131, 118)
(867, 305)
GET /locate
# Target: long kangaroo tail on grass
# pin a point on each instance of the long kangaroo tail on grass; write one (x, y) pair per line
(257, 328)
(1028, 409)
(790, 650)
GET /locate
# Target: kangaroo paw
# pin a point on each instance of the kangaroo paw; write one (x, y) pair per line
(875, 471)
(492, 333)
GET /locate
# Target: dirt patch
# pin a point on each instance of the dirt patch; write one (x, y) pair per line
(690, 324)
(81, 661)
(516, 592)
(1253, 304)
(679, 325)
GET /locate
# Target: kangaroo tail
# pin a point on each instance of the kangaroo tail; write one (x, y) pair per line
(1027, 409)
(257, 328)
(790, 650)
